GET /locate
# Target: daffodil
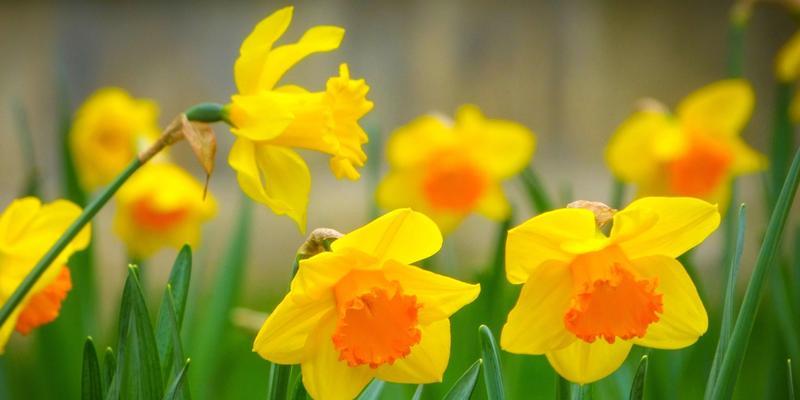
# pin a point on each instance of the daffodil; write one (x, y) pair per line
(362, 311)
(161, 206)
(27, 230)
(448, 170)
(108, 131)
(787, 65)
(695, 152)
(270, 121)
(588, 298)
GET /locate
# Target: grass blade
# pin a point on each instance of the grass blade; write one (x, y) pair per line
(637, 388)
(492, 374)
(91, 386)
(464, 386)
(178, 385)
(420, 388)
(373, 390)
(723, 388)
(170, 320)
(533, 186)
(279, 381)
(109, 367)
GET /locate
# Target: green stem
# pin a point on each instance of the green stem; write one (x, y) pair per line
(617, 194)
(782, 140)
(533, 185)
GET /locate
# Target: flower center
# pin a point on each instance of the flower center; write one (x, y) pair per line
(453, 182)
(148, 216)
(701, 169)
(44, 306)
(609, 300)
(377, 324)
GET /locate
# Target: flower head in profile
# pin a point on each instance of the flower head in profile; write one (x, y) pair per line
(362, 311)
(108, 131)
(587, 297)
(695, 152)
(27, 230)
(448, 170)
(270, 121)
(161, 206)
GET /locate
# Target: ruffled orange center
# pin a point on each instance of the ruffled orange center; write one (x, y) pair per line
(700, 170)
(453, 182)
(44, 306)
(148, 216)
(378, 324)
(609, 300)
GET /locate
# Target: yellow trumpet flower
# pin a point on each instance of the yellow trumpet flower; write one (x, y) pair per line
(362, 311)
(108, 131)
(587, 297)
(27, 230)
(161, 206)
(269, 122)
(693, 153)
(449, 170)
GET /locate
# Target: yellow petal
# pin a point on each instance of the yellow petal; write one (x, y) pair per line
(543, 238)
(279, 60)
(494, 204)
(720, 109)
(317, 275)
(402, 235)
(684, 318)
(324, 376)
(412, 144)
(274, 176)
(265, 115)
(583, 362)
(283, 336)
(398, 189)
(428, 358)
(637, 148)
(255, 47)
(746, 159)
(503, 147)
(666, 226)
(536, 323)
(787, 65)
(439, 295)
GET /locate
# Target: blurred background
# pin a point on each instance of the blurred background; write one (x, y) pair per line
(569, 70)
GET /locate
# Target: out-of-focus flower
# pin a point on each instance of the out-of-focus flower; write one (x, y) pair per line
(787, 65)
(693, 153)
(108, 131)
(28, 229)
(270, 121)
(449, 170)
(587, 297)
(161, 206)
(362, 311)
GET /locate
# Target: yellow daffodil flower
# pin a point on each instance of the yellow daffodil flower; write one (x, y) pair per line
(587, 297)
(269, 121)
(693, 153)
(161, 206)
(449, 170)
(362, 311)
(787, 65)
(108, 131)
(28, 229)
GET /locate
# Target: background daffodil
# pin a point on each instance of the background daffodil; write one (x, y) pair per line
(588, 298)
(161, 206)
(362, 311)
(270, 121)
(693, 153)
(449, 170)
(27, 230)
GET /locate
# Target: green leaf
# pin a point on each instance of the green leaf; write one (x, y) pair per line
(176, 347)
(109, 368)
(91, 386)
(492, 374)
(637, 388)
(563, 388)
(617, 194)
(790, 378)
(533, 186)
(782, 137)
(732, 362)
(279, 381)
(299, 392)
(171, 320)
(178, 386)
(464, 386)
(421, 388)
(373, 390)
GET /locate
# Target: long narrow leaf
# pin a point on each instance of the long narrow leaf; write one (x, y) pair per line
(170, 320)
(177, 347)
(563, 388)
(279, 381)
(492, 374)
(790, 379)
(723, 388)
(637, 387)
(176, 388)
(536, 193)
(91, 386)
(109, 368)
(373, 390)
(464, 386)
(421, 388)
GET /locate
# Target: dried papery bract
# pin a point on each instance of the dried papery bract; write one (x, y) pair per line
(603, 214)
(318, 241)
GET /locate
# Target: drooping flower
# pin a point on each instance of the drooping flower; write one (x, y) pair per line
(270, 121)
(449, 170)
(587, 297)
(28, 229)
(161, 206)
(362, 311)
(108, 131)
(694, 153)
